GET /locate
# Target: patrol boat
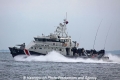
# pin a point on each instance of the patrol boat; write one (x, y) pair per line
(58, 41)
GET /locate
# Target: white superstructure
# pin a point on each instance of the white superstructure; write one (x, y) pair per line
(59, 41)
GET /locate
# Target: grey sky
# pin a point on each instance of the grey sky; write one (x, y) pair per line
(21, 20)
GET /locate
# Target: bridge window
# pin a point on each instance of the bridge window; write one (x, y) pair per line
(36, 39)
(48, 40)
(44, 40)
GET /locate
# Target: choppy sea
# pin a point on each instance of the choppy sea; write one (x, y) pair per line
(57, 67)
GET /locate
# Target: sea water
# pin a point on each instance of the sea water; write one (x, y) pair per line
(56, 66)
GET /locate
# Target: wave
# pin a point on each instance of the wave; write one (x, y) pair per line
(114, 57)
(54, 56)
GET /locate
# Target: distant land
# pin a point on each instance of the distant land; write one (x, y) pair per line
(113, 52)
(4, 51)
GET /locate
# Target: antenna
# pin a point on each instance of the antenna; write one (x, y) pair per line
(107, 36)
(97, 33)
(66, 15)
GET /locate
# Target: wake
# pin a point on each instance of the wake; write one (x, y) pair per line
(54, 56)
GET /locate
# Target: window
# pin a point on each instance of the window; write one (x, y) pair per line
(53, 43)
(40, 40)
(40, 48)
(67, 40)
(60, 49)
(36, 39)
(44, 40)
(57, 40)
(48, 40)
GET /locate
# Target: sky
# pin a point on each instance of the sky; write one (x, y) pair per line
(22, 20)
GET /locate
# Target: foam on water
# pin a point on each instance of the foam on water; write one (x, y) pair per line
(57, 57)
(114, 58)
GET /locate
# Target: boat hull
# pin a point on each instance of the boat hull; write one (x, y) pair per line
(15, 52)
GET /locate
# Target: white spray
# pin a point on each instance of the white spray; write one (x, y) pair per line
(57, 57)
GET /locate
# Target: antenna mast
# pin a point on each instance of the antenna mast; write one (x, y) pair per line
(97, 33)
(107, 36)
(61, 29)
(66, 15)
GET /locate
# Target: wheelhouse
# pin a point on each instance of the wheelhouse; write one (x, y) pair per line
(52, 40)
